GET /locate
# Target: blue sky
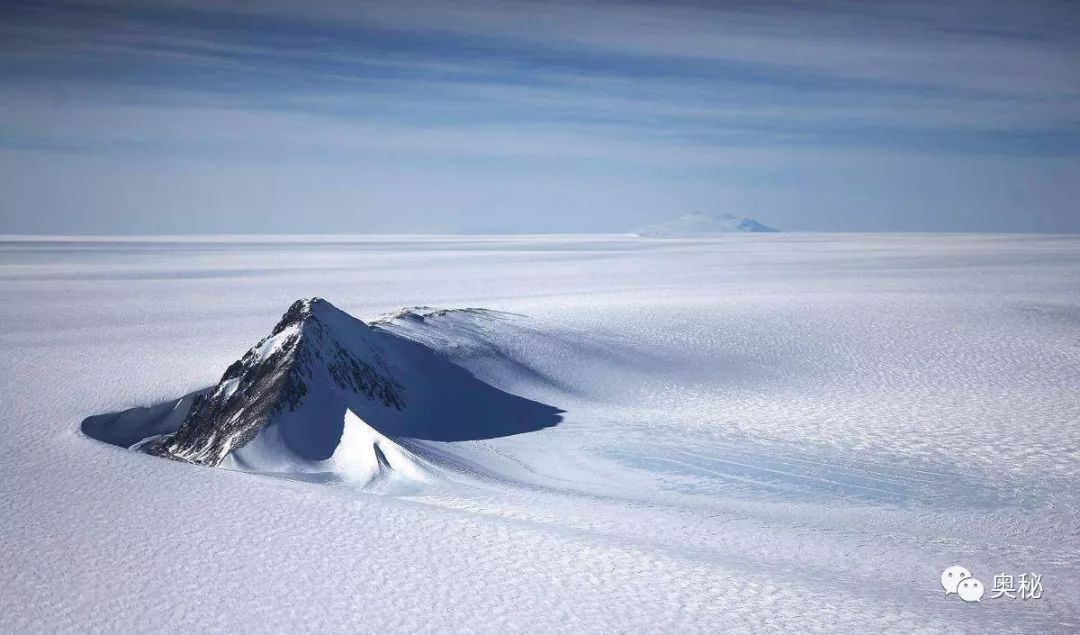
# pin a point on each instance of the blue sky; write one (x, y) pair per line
(328, 116)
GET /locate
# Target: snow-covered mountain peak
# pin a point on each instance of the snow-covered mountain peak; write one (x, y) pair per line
(317, 356)
(286, 404)
(315, 315)
(699, 223)
(301, 311)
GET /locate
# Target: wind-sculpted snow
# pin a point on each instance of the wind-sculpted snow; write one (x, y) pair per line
(770, 433)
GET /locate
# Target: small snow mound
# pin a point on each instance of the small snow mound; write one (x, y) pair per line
(363, 457)
(421, 314)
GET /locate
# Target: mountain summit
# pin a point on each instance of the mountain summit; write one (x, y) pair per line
(327, 393)
(699, 223)
(316, 358)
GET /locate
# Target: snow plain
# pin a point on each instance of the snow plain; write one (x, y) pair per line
(791, 433)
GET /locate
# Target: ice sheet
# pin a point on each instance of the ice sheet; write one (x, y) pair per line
(787, 432)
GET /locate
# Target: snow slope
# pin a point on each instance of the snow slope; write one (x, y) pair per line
(792, 434)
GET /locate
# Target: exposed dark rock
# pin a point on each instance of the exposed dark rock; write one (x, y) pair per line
(274, 376)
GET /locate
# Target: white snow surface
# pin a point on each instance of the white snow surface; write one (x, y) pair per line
(364, 457)
(763, 433)
(273, 344)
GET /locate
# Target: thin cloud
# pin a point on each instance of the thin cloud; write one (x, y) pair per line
(668, 92)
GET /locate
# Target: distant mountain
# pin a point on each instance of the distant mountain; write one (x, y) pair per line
(699, 223)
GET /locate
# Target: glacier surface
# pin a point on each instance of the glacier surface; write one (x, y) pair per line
(775, 432)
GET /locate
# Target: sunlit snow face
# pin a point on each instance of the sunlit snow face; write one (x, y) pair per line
(952, 577)
(970, 590)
